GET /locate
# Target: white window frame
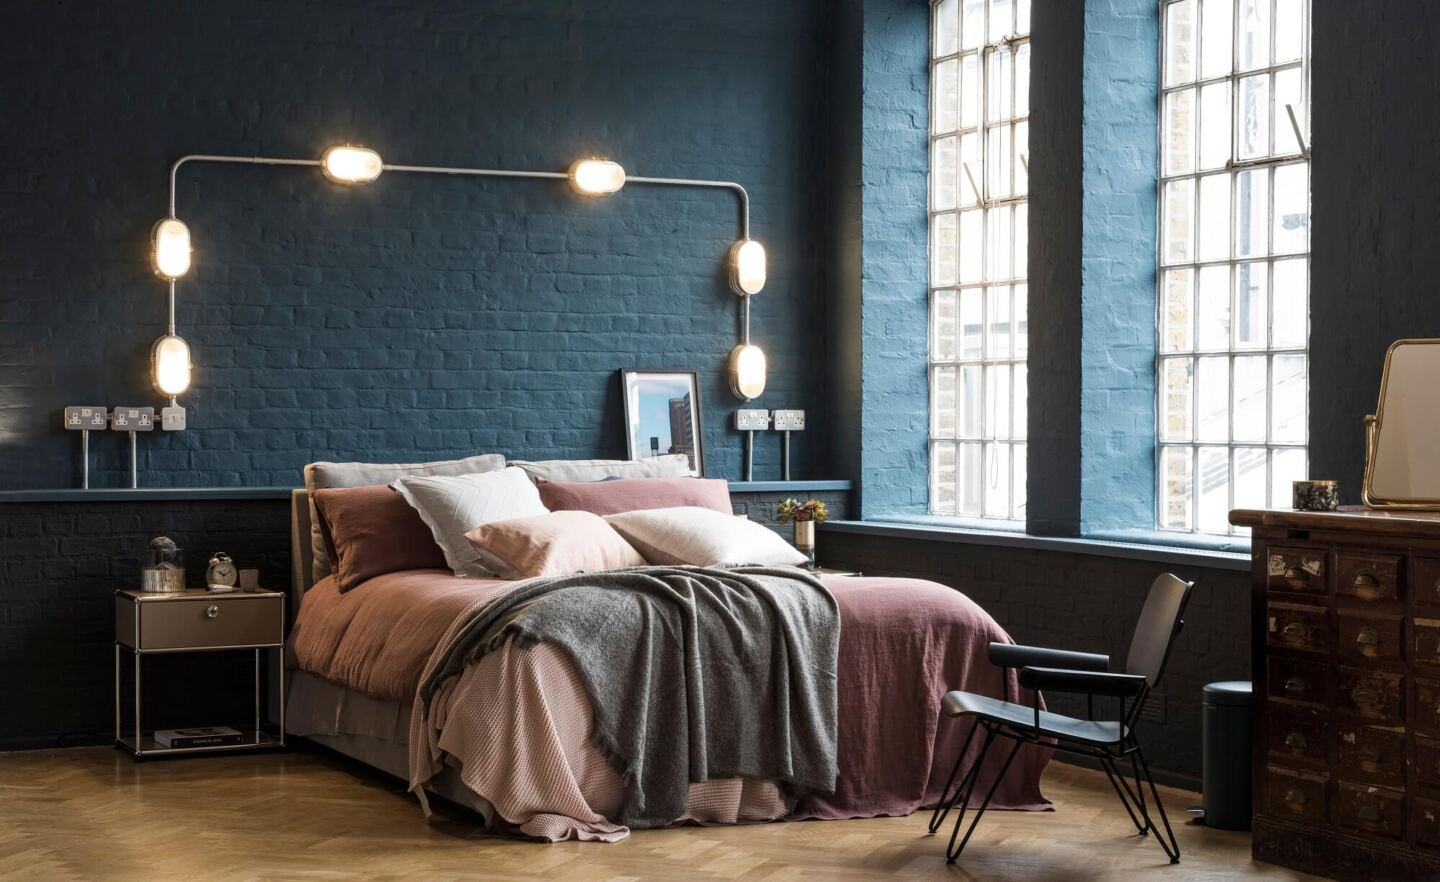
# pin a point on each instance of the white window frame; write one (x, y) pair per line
(1275, 491)
(948, 365)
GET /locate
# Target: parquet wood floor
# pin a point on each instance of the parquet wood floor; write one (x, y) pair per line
(92, 814)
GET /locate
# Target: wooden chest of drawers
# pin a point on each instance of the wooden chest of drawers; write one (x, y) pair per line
(1346, 645)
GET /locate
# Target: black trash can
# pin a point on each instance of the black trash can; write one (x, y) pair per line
(1226, 727)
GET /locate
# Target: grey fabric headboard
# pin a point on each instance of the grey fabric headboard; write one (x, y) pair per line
(301, 573)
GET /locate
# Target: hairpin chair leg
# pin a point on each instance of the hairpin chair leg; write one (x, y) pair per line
(1126, 797)
(947, 800)
(1172, 850)
(952, 853)
(967, 786)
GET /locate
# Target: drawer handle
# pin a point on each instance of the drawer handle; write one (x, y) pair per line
(1369, 755)
(1366, 696)
(1296, 686)
(1367, 638)
(1293, 631)
(1296, 797)
(1297, 573)
(1370, 814)
(1367, 580)
(1296, 742)
(212, 611)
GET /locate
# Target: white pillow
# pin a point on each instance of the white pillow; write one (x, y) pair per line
(673, 465)
(702, 537)
(453, 506)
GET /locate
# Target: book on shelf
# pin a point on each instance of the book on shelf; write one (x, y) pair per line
(198, 736)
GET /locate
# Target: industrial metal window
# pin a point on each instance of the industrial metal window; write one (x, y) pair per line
(979, 181)
(1234, 218)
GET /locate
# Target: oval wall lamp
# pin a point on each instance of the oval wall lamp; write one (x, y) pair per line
(170, 248)
(170, 365)
(348, 164)
(747, 372)
(596, 177)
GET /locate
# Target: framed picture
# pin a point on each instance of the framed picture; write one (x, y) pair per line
(662, 415)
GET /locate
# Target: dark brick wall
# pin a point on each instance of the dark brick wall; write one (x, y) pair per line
(1084, 602)
(421, 316)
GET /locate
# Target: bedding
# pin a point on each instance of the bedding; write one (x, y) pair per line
(361, 474)
(453, 505)
(702, 537)
(672, 465)
(371, 531)
(632, 494)
(516, 722)
(554, 544)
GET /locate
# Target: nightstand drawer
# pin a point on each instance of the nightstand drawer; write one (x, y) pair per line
(203, 622)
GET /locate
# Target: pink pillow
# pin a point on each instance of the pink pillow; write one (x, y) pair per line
(554, 544)
(635, 494)
(371, 531)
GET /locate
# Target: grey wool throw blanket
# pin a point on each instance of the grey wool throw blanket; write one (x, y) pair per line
(694, 673)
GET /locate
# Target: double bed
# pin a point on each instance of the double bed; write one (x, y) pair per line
(510, 735)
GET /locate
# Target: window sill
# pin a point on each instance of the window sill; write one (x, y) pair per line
(1168, 548)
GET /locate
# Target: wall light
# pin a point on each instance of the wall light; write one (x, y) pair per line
(596, 177)
(170, 365)
(747, 267)
(170, 248)
(346, 164)
(747, 371)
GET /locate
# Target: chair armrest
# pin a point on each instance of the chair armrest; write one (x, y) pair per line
(1009, 655)
(1086, 682)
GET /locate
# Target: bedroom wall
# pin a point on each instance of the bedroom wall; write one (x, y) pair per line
(420, 316)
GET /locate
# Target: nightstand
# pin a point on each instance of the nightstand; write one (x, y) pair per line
(195, 620)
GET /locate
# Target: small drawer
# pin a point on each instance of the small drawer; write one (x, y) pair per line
(1298, 682)
(210, 622)
(1367, 576)
(1425, 821)
(1370, 754)
(1427, 762)
(1427, 707)
(1295, 569)
(1427, 641)
(1425, 581)
(1372, 695)
(1297, 737)
(1297, 796)
(1362, 637)
(1297, 626)
(1370, 809)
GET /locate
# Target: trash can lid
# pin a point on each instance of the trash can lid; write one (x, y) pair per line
(1229, 692)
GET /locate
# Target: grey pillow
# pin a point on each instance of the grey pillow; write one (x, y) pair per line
(453, 505)
(320, 475)
(673, 465)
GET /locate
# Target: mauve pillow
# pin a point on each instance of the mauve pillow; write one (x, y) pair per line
(372, 531)
(635, 494)
(554, 544)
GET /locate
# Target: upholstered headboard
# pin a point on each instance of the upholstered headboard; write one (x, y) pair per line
(302, 575)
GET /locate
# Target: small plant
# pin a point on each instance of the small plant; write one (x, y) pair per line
(793, 511)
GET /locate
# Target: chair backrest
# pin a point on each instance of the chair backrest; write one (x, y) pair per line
(1160, 622)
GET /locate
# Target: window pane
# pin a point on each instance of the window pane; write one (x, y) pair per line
(1291, 313)
(1018, 473)
(972, 23)
(943, 171)
(1252, 201)
(1289, 90)
(1002, 19)
(1254, 113)
(942, 478)
(1250, 391)
(1022, 79)
(1254, 34)
(1176, 317)
(1212, 382)
(1287, 421)
(972, 246)
(970, 322)
(1213, 505)
(942, 250)
(1292, 209)
(1214, 308)
(1287, 465)
(998, 236)
(1021, 228)
(968, 167)
(1289, 30)
(1179, 211)
(1176, 488)
(1179, 42)
(1249, 477)
(969, 94)
(1215, 115)
(947, 27)
(997, 401)
(970, 472)
(946, 96)
(1216, 37)
(1021, 162)
(1022, 320)
(1180, 132)
(997, 480)
(942, 326)
(999, 85)
(1215, 217)
(997, 325)
(997, 161)
(1020, 410)
(970, 379)
(944, 404)
(1177, 404)
(1251, 331)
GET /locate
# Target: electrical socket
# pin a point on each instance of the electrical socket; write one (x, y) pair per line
(132, 419)
(172, 418)
(789, 420)
(79, 418)
(752, 420)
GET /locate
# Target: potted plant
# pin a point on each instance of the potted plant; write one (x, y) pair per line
(804, 516)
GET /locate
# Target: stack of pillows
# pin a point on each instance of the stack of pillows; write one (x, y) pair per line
(481, 518)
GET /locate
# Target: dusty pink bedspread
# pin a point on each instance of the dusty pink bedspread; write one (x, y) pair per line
(903, 644)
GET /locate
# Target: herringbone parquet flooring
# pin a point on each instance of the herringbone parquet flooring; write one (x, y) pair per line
(304, 815)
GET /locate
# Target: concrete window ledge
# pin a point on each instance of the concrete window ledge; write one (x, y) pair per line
(1150, 546)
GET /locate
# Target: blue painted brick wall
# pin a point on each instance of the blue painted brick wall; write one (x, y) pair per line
(419, 316)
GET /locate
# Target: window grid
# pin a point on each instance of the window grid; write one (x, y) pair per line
(1232, 383)
(978, 209)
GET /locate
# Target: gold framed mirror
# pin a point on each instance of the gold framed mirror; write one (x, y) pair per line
(1402, 437)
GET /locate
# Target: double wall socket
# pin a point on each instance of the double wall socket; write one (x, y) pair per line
(789, 420)
(752, 420)
(79, 418)
(132, 419)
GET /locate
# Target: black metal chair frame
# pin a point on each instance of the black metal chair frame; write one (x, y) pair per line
(1084, 674)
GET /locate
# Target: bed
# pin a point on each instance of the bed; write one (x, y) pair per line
(510, 734)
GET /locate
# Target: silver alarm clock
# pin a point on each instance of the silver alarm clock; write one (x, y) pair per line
(221, 572)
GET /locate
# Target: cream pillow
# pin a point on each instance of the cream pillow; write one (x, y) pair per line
(702, 537)
(453, 506)
(673, 465)
(554, 544)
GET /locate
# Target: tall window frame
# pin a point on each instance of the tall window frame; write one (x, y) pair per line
(1232, 378)
(978, 213)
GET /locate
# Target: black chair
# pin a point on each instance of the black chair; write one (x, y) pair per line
(1082, 673)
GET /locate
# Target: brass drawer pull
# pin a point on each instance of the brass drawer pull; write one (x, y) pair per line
(1370, 814)
(1296, 742)
(212, 611)
(1295, 686)
(1369, 755)
(1368, 637)
(1367, 580)
(1296, 797)
(1296, 573)
(1294, 631)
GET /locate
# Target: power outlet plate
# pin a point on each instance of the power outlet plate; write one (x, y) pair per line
(752, 420)
(132, 419)
(172, 418)
(79, 418)
(789, 420)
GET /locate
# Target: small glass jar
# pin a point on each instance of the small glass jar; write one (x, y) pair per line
(163, 569)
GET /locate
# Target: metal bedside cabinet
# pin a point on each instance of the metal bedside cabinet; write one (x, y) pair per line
(198, 621)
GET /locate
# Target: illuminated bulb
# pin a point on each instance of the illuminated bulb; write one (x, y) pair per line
(596, 177)
(747, 372)
(170, 364)
(747, 267)
(351, 165)
(170, 248)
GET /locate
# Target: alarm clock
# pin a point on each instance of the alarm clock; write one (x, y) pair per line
(221, 571)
